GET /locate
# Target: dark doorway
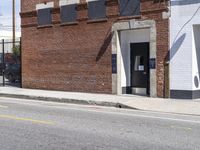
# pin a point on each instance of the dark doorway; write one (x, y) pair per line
(140, 66)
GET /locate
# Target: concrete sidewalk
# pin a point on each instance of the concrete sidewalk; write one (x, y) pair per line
(125, 101)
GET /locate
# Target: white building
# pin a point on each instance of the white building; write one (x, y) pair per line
(185, 49)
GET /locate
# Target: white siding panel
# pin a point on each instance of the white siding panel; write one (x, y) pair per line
(183, 66)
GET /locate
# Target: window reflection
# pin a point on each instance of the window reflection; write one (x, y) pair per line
(139, 63)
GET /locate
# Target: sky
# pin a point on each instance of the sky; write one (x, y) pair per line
(6, 15)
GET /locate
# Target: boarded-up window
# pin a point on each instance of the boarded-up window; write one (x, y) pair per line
(129, 7)
(96, 9)
(68, 13)
(44, 16)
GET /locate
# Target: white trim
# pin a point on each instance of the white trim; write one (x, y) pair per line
(135, 25)
(68, 2)
(43, 5)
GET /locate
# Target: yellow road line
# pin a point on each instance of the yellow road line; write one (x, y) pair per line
(26, 119)
(184, 128)
(1, 106)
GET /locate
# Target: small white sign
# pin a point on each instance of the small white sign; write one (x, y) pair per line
(141, 68)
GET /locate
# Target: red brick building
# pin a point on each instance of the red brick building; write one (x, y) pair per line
(100, 46)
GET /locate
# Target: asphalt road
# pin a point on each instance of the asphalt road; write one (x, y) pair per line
(36, 125)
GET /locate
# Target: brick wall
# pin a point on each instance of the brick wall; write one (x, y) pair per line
(78, 57)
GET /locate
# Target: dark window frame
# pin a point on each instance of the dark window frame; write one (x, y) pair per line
(97, 6)
(41, 17)
(129, 7)
(64, 17)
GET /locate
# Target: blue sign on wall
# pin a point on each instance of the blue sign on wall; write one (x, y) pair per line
(152, 63)
(114, 63)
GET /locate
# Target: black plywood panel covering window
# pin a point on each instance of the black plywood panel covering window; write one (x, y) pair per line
(44, 16)
(129, 7)
(96, 9)
(68, 13)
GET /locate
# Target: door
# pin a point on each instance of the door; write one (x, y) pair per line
(140, 66)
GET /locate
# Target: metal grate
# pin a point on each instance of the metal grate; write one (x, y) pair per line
(129, 7)
(96, 10)
(44, 16)
(68, 13)
(10, 63)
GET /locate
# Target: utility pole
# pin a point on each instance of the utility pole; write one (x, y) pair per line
(13, 20)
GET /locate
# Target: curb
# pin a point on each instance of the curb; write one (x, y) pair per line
(68, 100)
(84, 102)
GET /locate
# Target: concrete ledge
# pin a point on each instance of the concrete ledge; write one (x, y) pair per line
(68, 100)
(184, 107)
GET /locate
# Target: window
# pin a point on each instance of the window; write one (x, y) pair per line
(44, 16)
(68, 13)
(96, 9)
(139, 63)
(129, 7)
